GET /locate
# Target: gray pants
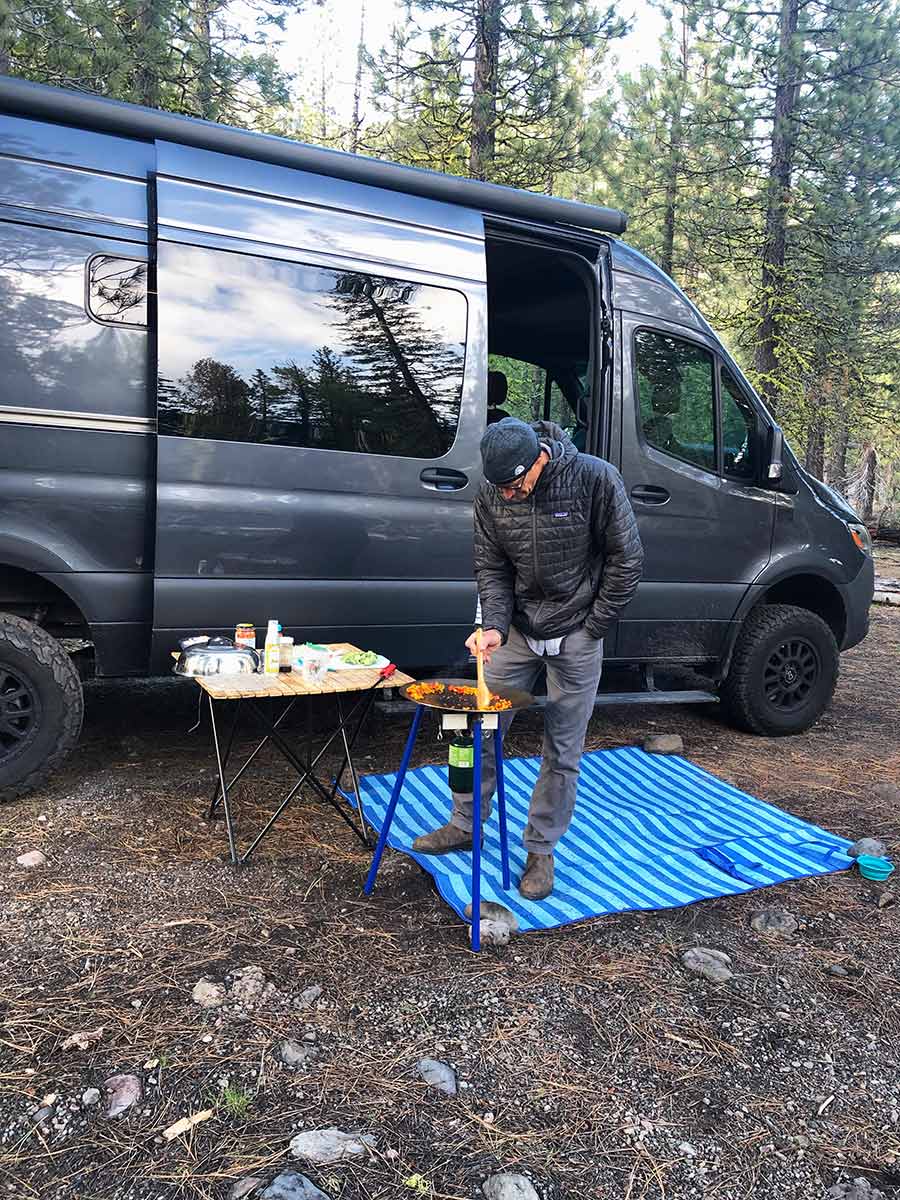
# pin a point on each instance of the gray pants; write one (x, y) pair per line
(572, 679)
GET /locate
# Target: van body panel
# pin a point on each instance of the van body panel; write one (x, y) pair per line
(242, 511)
(97, 153)
(52, 189)
(636, 294)
(53, 355)
(329, 198)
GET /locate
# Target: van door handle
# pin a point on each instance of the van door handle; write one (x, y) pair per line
(646, 493)
(443, 479)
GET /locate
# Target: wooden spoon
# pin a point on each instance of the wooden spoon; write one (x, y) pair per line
(482, 692)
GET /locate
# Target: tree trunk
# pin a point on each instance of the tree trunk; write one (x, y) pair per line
(837, 463)
(484, 88)
(870, 479)
(204, 51)
(667, 257)
(146, 76)
(815, 447)
(357, 82)
(777, 201)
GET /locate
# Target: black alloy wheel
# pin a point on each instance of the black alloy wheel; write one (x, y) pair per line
(20, 713)
(791, 673)
(41, 705)
(783, 671)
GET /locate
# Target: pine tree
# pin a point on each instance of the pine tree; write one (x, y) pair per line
(494, 87)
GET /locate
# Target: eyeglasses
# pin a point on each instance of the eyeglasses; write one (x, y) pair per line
(513, 489)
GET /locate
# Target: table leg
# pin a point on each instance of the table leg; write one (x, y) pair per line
(225, 804)
(348, 763)
(217, 793)
(501, 805)
(306, 772)
(476, 836)
(285, 712)
(392, 804)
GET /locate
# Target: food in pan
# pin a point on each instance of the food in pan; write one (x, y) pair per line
(451, 695)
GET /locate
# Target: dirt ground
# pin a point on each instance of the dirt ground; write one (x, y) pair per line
(589, 1060)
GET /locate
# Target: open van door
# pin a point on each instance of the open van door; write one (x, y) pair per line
(320, 401)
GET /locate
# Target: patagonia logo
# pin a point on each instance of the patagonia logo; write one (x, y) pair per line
(558, 515)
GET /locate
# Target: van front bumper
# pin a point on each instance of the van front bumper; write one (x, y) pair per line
(858, 595)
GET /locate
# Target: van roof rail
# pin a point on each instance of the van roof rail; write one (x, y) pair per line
(39, 101)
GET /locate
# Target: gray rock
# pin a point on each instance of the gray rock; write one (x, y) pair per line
(311, 994)
(208, 994)
(295, 1054)
(774, 920)
(42, 1115)
(290, 1185)
(326, 1146)
(493, 933)
(496, 912)
(438, 1075)
(509, 1187)
(34, 858)
(245, 1187)
(855, 1189)
(122, 1091)
(711, 964)
(664, 743)
(868, 845)
(837, 970)
(90, 1097)
(887, 899)
(889, 793)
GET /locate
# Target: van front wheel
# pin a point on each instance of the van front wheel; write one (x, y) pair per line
(783, 671)
(41, 705)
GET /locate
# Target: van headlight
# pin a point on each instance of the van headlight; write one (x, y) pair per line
(861, 537)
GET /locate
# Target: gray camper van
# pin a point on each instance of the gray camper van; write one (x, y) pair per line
(242, 377)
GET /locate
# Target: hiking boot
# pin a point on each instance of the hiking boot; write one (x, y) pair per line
(537, 878)
(443, 841)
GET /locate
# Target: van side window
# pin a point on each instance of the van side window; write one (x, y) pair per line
(117, 290)
(740, 430)
(287, 354)
(676, 392)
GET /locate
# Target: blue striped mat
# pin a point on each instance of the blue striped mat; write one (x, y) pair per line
(648, 832)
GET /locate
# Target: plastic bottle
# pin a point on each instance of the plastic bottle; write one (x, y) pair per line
(272, 653)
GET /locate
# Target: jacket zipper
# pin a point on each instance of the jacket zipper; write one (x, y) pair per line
(534, 549)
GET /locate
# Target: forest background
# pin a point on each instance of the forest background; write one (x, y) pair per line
(754, 144)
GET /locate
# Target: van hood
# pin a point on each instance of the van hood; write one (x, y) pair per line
(831, 498)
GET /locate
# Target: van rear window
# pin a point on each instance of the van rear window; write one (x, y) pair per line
(259, 350)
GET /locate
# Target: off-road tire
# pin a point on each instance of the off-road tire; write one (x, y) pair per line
(767, 638)
(30, 655)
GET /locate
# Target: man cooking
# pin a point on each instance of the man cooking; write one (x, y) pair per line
(557, 559)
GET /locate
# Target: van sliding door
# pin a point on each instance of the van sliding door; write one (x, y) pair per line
(320, 400)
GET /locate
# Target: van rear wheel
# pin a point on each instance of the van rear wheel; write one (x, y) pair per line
(783, 671)
(41, 705)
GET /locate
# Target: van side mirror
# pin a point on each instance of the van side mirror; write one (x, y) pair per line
(775, 469)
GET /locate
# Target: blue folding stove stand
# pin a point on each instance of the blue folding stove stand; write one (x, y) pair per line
(476, 800)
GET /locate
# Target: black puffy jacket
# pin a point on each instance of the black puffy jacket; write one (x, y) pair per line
(569, 555)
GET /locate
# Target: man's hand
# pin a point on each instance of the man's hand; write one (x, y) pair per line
(491, 640)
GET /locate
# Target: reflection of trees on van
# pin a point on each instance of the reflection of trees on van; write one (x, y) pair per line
(411, 376)
(387, 380)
